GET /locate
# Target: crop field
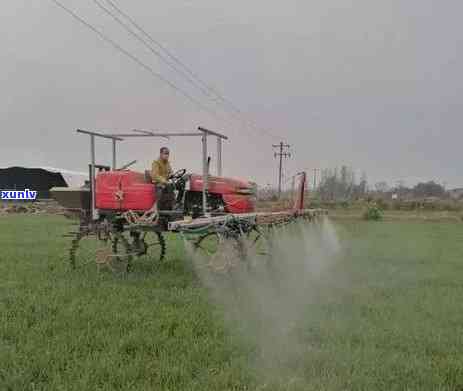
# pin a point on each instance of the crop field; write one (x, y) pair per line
(386, 315)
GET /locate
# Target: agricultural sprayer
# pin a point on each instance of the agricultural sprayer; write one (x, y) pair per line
(118, 223)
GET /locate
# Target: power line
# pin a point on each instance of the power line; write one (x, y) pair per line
(134, 58)
(150, 47)
(157, 43)
(137, 60)
(204, 87)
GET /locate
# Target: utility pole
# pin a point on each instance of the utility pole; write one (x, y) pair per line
(282, 153)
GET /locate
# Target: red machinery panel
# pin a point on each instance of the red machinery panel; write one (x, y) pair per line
(123, 190)
(219, 185)
(237, 194)
(236, 203)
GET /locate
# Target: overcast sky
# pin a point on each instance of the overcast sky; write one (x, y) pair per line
(372, 84)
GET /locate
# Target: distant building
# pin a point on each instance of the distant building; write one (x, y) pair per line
(40, 179)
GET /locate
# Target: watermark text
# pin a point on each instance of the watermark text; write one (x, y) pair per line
(25, 194)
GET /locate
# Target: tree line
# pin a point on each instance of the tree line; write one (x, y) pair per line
(339, 184)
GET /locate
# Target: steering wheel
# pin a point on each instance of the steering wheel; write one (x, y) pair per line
(177, 174)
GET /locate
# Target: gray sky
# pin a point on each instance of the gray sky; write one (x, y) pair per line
(373, 84)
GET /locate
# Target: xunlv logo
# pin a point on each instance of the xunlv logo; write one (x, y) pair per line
(18, 194)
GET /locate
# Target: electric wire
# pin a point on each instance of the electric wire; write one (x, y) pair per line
(148, 68)
(134, 58)
(150, 47)
(192, 75)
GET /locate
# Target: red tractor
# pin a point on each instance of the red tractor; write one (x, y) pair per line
(129, 190)
(118, 221)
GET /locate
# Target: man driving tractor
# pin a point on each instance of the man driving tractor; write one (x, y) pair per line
(161, 172)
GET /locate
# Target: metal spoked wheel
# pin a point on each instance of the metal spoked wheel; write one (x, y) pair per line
(218, 252)
(152, 245)
(258, 249)
(112, 253)
(207, 244)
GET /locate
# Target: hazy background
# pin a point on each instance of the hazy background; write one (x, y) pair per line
(372, 84)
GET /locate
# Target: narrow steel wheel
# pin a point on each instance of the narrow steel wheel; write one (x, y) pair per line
(219, 253)
(91, 252)
(257, 248)
(207, 244)
(154, 246)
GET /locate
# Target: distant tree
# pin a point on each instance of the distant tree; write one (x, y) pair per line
(428, 189)
(363, 185)
(401, 190)
(339, 184)
(381, 187)
(327, 184)
(344, 176)
(352, 184)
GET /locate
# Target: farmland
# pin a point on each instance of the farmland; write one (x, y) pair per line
(387, 315)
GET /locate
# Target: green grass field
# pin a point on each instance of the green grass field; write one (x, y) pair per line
(391, 320)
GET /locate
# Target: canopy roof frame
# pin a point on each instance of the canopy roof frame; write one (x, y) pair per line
(115, 137)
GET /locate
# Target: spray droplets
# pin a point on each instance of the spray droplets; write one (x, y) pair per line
(268, 289)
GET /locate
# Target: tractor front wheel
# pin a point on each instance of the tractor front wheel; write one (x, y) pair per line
(112, 253)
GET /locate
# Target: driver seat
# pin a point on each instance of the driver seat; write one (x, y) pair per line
(148, 177)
